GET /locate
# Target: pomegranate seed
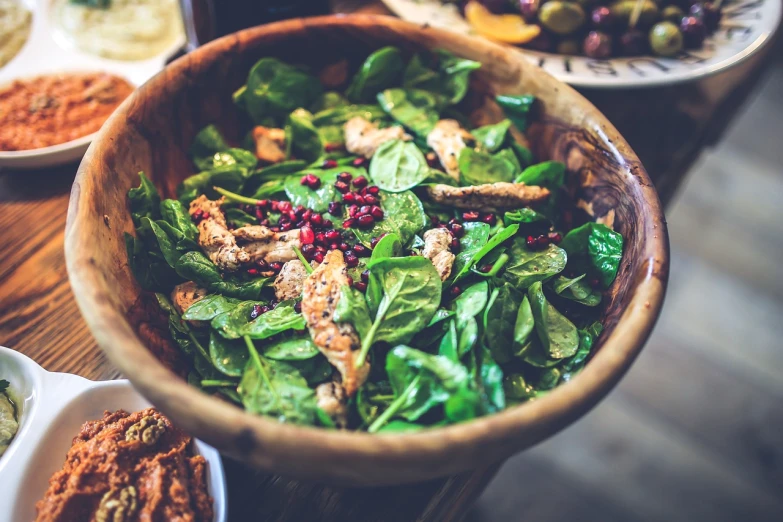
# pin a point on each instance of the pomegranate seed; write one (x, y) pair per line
(455, 245)
(344, 247)
(542, 240)
(341, 186)
(530, 241)
(360, 286)
(328, 223)
(256, 311)
(318, 257)
(471, 215)
(365, 209)
(333, 147)
(374, 241)
(321, 249)
(308, 250)
(284, 207)
(259, 214)
(435, 220)
(262, 203)
(455, 291)
(334, 246)
(275, 266)
(369, 199)
(365, 221)
(345, 177)
(292, 216)
(299, 211)
(335, 208)
(252, 271)
(376, 213)
(432, 160)
(306, 235)
(316, 220)
(351, 260)
(374, 190)
(361, 250)
(320, 238)
(349, 223)
(349, 197)
(366, 276)
(285, 227)
(273, 205)
(360, 182)
(353, 211)
(485, 268)
(359, 162)
(457, 229)
(358, 199)
(332, 235)
(261, 264)
(274, 229)
(310, 180)
(489, 219)
(329, 164)
(264, 222)
(555, 237)
(298, 307)
(301, 224)
(350, 280)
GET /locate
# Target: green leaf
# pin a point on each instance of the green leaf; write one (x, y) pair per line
(478, 168)
(434, 331)
(523, 154)
(352, 308)
(150, 270)
(144, 200)
(475, 238)
(239, 217)
(479, 254)
(282, 318)
(328, 100)
(388, 246)
(303, 137)
(372, 398)
(231, 178)
(209, 307)
(400, 426)
(317, 200)
(526, 216)
(507, 308)
(415, 109)
(382, 69)
(517, 108)
(176, 215)
(468, 336)
(449, 344)
(232, 157)
(574, 364)
(471, 302)
(448, 77)
(227, 355)
(398, 166)
(517, 389)
(275, 89)
(167, 247)
(403, 215)
(576, 289)
(195, 266)
(549, 174)
(297, 348)
(492, 137)
(595, 249)
(207, 142)
(557, 334)
(526, 266)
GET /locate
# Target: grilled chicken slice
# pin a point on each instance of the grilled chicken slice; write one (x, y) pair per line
(213, 235)
(447, 139)
(262, 244)
(437, 243)
(186, 295)
(338, 342)
(492, 197)
(332, 399)
(270, 144)
(363, 137)
(289, 282)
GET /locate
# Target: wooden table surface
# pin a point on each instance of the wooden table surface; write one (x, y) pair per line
(668, 127)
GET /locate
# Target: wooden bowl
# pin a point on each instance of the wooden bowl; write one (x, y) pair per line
(152, 131)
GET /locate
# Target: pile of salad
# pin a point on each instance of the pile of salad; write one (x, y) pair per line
(369, 260)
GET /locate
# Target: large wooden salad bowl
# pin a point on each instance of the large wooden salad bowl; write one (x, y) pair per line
(152, 131)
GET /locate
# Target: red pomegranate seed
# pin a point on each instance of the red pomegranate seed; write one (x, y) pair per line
(365, 221)
(360, 286)
(485, 268)
(489, 219)
(259, 214)
(327, 223)
(353, 211)
(321, 249)
(284, 207)
(320, 238)
(275, 266)
(329, 164)
(358, 199)
(345, 177)
(454, 291)
(369, 199)
(365, 209)
(359, 162)
(292, 216)
(252, 271)
(256, 311)
(298, 307)
(299, 211)
(307, 214)
(351, 260)
(308, 251)
(285, 227)
(471, 215)
(530, 241)
(301, 224)
(262, 264)
(334, 246)
(374, 190)
(434, 220)
(335, 208)
(341, 186)
(376, 213)
(360, 182)
(349, 197)
(344, 247)
(349, 223)
(333, 147)
(457, 229)
(316, 220)
(274, 205)
(361, 250)
(332, 235)
(310, 180)
(455, 245)
(555, 237)
(264, 222)
(350, 280)
(262, 203)
(366, 276)
(318, 257)
(542, 240)
(306, 235)
(374, 241)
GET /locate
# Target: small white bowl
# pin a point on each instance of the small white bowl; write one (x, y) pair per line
(53, 407)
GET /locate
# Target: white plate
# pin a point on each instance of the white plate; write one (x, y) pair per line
(746, 26)
(43, 53)
(53, 408)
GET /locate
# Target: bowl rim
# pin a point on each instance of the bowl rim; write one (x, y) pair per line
(283, 447)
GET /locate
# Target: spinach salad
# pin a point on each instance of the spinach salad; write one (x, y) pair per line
(367, 259)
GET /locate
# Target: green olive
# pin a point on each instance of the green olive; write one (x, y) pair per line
(665, 39)
(569, 47)
(672, 13)
(561, 17)
(622, 11)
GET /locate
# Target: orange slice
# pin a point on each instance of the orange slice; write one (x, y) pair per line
(506, 28)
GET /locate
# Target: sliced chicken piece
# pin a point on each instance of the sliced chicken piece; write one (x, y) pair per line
(363, 137)
(492, 197)
(186, 295)
(338, 342)
(437, 243)
(332, 399)
(289, 282)
(213, 235)
(270, 144)
(262, 244)
(447, 139)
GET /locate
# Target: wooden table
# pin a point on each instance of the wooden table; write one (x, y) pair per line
(668, 127)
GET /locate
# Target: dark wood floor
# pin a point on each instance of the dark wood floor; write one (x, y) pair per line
(695, 430)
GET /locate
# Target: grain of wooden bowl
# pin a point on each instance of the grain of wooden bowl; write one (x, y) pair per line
(152, 131)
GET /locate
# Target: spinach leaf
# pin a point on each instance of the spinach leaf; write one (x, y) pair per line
(491, 384)
(403, 215)
(478, 168)
(399, 426)
(372, 398)
(248, 290)
(232, 157)
(434, 331)
(411, 290)
(492, 137)
(338, 116)
(276, 172)
(209, 307)
(275, 89)
(282, 318)
(449, 344)
(388, 246)
(517, 389)
(548, 379)
(317, 200)
(303, 137)
(468, 335)
(526, 266)
(315, 370)
(595, 249)
(574, 364)
(352, 308)
(523, 154)
(449, 80)
(231, 178)
(167, 246)
(297, 348)
(475, 238)
(526, 216)
(508, 155)
(517, 108)
(176, 215)
(151, 272)
(382, 69)
(276, 389)
(187, 339)
(195, 266)
(576, 289)
(207, 142)
(398, 166)
(177, 238)
(508, 323)
(471, 302)
(227, 355)
(534, 354)
(328, 100)
(415, 109)
(239, 217)
(438, 177)
(548, 174)
(231, 324)
(479, 254)
(144, 200)
(557, 334)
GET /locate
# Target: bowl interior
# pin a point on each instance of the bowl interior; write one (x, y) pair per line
(152, 132)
